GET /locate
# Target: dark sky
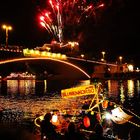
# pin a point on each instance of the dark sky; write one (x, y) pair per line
(116, 31)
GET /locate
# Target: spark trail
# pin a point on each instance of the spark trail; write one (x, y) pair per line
(58, 14)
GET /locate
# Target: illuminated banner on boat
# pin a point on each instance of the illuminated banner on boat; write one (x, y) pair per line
(78, 91)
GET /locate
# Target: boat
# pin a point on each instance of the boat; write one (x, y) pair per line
(21, 76)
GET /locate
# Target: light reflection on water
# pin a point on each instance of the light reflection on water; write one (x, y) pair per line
(122, 96)
(130, 84)
(123, 88)
(33, 97)
(22, 87)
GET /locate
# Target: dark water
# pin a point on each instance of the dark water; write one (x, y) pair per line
(124, 92)
(36, 97)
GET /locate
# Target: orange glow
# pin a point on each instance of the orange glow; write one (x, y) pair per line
(36, 53)
(86, 121)
(104, 104)
(7, 27)
(131, 68)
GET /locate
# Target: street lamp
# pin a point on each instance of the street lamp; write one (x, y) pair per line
(120, 58)
(103, 57)
(6, 28)
(82, 55)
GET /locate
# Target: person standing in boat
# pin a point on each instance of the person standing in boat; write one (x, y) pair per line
(47, 128)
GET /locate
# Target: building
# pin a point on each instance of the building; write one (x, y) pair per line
(113, 71)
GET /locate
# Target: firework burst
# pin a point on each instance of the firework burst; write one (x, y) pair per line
(60, 14)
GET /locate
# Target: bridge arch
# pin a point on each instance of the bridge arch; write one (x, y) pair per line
(60, 68)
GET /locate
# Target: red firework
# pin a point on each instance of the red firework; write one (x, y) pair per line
(59, 14)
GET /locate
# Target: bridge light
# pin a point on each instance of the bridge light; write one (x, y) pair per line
(54, 55)
(131, 67)
(26, 52)
(137, 69)
(48, 49)
(48, 54)
(37, 52)
(120, 58)
(31, 51)
(58, 55)
(63, 56)
(43, 53)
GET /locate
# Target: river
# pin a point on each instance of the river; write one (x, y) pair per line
(33, 97)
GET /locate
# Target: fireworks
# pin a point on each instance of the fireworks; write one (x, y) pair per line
(60, 14)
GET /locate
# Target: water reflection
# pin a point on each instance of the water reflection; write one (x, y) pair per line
(113, 87)
(130, 84)
(138, 86)
(37, 87)
(22, 87)
(35, 97)
(122, 95)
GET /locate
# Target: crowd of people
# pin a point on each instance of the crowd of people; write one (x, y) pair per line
(48, 132)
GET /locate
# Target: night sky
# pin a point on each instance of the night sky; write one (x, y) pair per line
(116, 30)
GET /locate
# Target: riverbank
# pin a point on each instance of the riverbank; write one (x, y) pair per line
(117, 76)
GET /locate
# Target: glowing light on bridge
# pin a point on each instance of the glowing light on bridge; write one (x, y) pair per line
(37, 53)
(130, 67)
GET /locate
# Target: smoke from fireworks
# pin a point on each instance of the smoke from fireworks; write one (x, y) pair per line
(59, 14)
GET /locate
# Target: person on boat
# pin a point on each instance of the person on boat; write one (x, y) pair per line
(98, 133)
(72, 133)
(47, 128)
(134, 134)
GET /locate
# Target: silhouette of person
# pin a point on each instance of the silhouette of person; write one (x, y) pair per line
(1, 113)
(72, 133)
(134, 134)
(98, 135)
(47, 128)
